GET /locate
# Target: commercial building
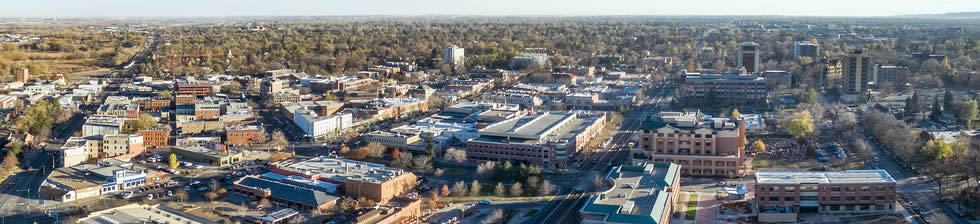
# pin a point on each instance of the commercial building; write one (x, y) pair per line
(703, 146)
(806, 49)
(358, 179)
(122, 145)
(890, 74)
(243, 135)
(72, 153)
(119, 110)
(292, 195)
(152, 103)
(857, 71)
(782, 194)
(725, 88)
(205, 155)
(137, 213)
(454, 56)
(196, 87)
(546, 139)
(643, 193)
(386, 108)
(529, 59)
(317, 126)
(778, 79)
(748, 57)
(155, 137)
(102, 125)
(91, 180)
(345, 83)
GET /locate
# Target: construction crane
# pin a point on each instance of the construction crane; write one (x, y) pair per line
(174, 56)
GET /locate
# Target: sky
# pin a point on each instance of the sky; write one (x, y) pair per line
(217, 8)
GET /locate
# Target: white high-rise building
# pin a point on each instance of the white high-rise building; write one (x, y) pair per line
(453, 56)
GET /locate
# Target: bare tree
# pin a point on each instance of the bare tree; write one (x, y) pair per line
(459, 189)
(475, 188)
(499, 189)
(181, 194)
(455, 155)
(422, 163)
(497, 216)
(376, 150)
(516, 190)
(403, 160)
(546, 188)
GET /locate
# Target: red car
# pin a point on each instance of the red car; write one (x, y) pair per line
(10, 185)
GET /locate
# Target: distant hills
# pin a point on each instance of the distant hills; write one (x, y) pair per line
(952, 15)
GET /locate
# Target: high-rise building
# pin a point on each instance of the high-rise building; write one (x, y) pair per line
(857, 71)
(748, 56)
(805, 49)
(453, 56)
(22, 74)
(896, 75)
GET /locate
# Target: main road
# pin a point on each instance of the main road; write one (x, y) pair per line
(916, 189)
(564, 207)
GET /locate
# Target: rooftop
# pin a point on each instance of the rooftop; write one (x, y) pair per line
(136, 213)
(543, 126)
(822, 177)
(638, 194)
(341, 169)
(288, 192)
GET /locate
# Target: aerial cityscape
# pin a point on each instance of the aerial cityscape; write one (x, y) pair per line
(334, 113)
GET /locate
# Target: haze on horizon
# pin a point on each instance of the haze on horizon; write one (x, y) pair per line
(219, 8)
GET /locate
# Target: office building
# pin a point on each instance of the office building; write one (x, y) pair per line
(643, 193)
(358, 179)
(748, 57)
(782, 194)
(890, 74)
(806, 49)
(545, 139)
(94, 179)
(702, 145)
(857, 71)
(155, 137)
(243, 135)
(102, 125)
(453, 56)
(724, 88)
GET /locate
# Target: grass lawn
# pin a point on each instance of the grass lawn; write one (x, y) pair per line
(692, 207)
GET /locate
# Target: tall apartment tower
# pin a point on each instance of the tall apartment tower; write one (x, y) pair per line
(748, 57)
(805, 49)
(857, 71)
(22, 74)
(454, 57)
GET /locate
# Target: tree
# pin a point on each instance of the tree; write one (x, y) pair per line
(455, 155)
(936, 110)
(395, 153)
(360, 153)
(344, 150)
(948, 100)
(422, 163)
(938, 150)
(966, 112)
(516, 190)
(736, 114)
(376, 150)
(444, 190)
(499, 189)
(143, 122)
(759, 146)
(475, 188)
(265, 203)
(173, 161)
(403, 160)
(800, 124)
(181, 194)
(278, 140)
(546, 188)
(210, 196)
(459, 188)
(434, 195)
(497, 216)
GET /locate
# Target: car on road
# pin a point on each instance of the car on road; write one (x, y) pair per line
(485, 202)
(10, 185)
(195, 182)
(187, 188)
(202, 188)
(170, 193)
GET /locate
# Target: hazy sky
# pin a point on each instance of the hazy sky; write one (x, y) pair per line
(184, 8)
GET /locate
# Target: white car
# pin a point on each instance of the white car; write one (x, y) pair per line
(149, 197)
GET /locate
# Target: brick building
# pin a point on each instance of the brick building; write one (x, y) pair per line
(702, 146)
(357, 179)
(782, 194)
(546, 139)
(726, 88)
(243, 135)
(155, 137)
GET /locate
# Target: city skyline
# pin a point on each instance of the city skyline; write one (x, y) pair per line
(222, 8)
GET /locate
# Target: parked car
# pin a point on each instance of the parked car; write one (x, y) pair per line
(149, 197)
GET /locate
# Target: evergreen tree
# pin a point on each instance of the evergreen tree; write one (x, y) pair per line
(936, 112)
(948, 101)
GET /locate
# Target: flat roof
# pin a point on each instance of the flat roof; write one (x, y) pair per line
(341, 169)
(822, 177)
(136, 213)
(551, 125)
